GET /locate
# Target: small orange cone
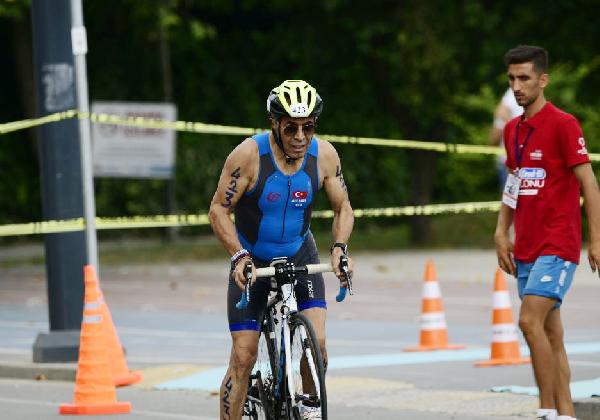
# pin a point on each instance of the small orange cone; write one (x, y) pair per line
(505, 344)
(434, 333)
(94, 388)
(116, 359)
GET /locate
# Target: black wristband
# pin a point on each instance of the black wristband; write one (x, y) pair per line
(341, 245)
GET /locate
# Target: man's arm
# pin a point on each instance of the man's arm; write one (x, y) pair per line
(335, 187)
(237, 173)
(591, 202)
(501, 117)
(504, 245)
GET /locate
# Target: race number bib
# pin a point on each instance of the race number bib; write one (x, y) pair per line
(511, 190)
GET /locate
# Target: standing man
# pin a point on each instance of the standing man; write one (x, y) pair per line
(548, 166)
(270, 182)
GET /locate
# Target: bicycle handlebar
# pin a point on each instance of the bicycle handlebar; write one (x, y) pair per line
(307, 269)
(291, 269)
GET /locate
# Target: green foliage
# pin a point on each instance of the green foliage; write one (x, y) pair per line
(424, 70)
(15, 9)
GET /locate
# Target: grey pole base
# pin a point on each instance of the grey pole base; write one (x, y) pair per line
(56, 346)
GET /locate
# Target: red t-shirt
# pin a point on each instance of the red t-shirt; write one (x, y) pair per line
(548, 215)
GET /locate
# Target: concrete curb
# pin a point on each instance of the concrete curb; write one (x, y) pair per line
(587, 409)
(39, 371)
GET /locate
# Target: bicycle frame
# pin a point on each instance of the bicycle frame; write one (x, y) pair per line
(289, 307)
(281, 309)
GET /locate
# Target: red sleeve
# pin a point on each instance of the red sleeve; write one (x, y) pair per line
(572, 143)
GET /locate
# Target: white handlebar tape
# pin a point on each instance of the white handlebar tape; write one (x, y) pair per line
(312, 269)
(318, 268)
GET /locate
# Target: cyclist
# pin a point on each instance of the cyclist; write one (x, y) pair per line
(269, 182)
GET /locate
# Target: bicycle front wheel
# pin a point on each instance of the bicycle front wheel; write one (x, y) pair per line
(308, 373)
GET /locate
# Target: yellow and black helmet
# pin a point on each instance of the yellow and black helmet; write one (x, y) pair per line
(294, 98)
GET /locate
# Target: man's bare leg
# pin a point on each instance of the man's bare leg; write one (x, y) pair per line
(562, 390)
(532, 319)
(235, 382)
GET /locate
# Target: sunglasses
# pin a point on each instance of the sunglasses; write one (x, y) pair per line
(307, 128)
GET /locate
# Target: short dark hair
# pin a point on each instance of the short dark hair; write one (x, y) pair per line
(528, 53)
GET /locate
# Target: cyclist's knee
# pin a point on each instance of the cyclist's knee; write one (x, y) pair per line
(244, 353)
(243, 359)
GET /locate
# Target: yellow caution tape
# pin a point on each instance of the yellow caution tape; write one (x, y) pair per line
(137, 222)
(203, 128)
(104, 223)
(424, 210)
(34, 122)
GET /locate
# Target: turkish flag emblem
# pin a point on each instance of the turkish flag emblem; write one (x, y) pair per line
(300, 194)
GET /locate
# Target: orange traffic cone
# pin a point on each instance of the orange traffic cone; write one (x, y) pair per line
(94, 388)
(505, 344)
(116, 359)
(434, 334)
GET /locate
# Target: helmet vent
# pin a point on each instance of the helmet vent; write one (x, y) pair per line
(288, 99)
(298, 94)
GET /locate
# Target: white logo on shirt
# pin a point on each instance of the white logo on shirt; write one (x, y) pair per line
(536, 155)
(583, 150)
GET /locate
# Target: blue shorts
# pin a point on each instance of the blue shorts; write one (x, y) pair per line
(549, 276)
(309, 290)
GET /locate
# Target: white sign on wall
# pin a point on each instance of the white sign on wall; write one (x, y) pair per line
(133, 152)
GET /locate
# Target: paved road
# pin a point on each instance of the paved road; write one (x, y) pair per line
(171, 319)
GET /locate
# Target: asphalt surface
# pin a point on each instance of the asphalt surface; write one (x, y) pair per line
(172, 321)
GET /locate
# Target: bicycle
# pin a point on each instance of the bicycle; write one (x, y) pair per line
(289, 368)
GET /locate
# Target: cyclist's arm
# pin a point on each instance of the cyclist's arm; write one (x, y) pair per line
(337, 192)
(238, 173)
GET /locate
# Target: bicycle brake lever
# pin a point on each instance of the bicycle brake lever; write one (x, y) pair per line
(245, 298)
(343, 290)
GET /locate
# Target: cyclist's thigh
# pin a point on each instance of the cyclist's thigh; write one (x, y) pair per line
(310, 289)
(244, 345)
(317, 318)
(247, 319)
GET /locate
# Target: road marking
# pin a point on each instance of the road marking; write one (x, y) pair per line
(156, 414)
(28, 402)
(579, 389)
(584, 363)
(170, 416)
(211, 379)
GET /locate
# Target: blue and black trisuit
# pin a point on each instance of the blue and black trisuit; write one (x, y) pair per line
(273, 220)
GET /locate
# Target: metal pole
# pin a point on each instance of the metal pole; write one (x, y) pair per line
(79, 43)
(60, 179)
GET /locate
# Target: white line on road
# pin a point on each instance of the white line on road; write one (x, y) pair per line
(157, 414)
(28, 402)
(170, 416)
(584, 363)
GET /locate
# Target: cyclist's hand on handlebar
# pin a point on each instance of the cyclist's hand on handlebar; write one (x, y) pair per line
(335, 264)
(239, 274)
